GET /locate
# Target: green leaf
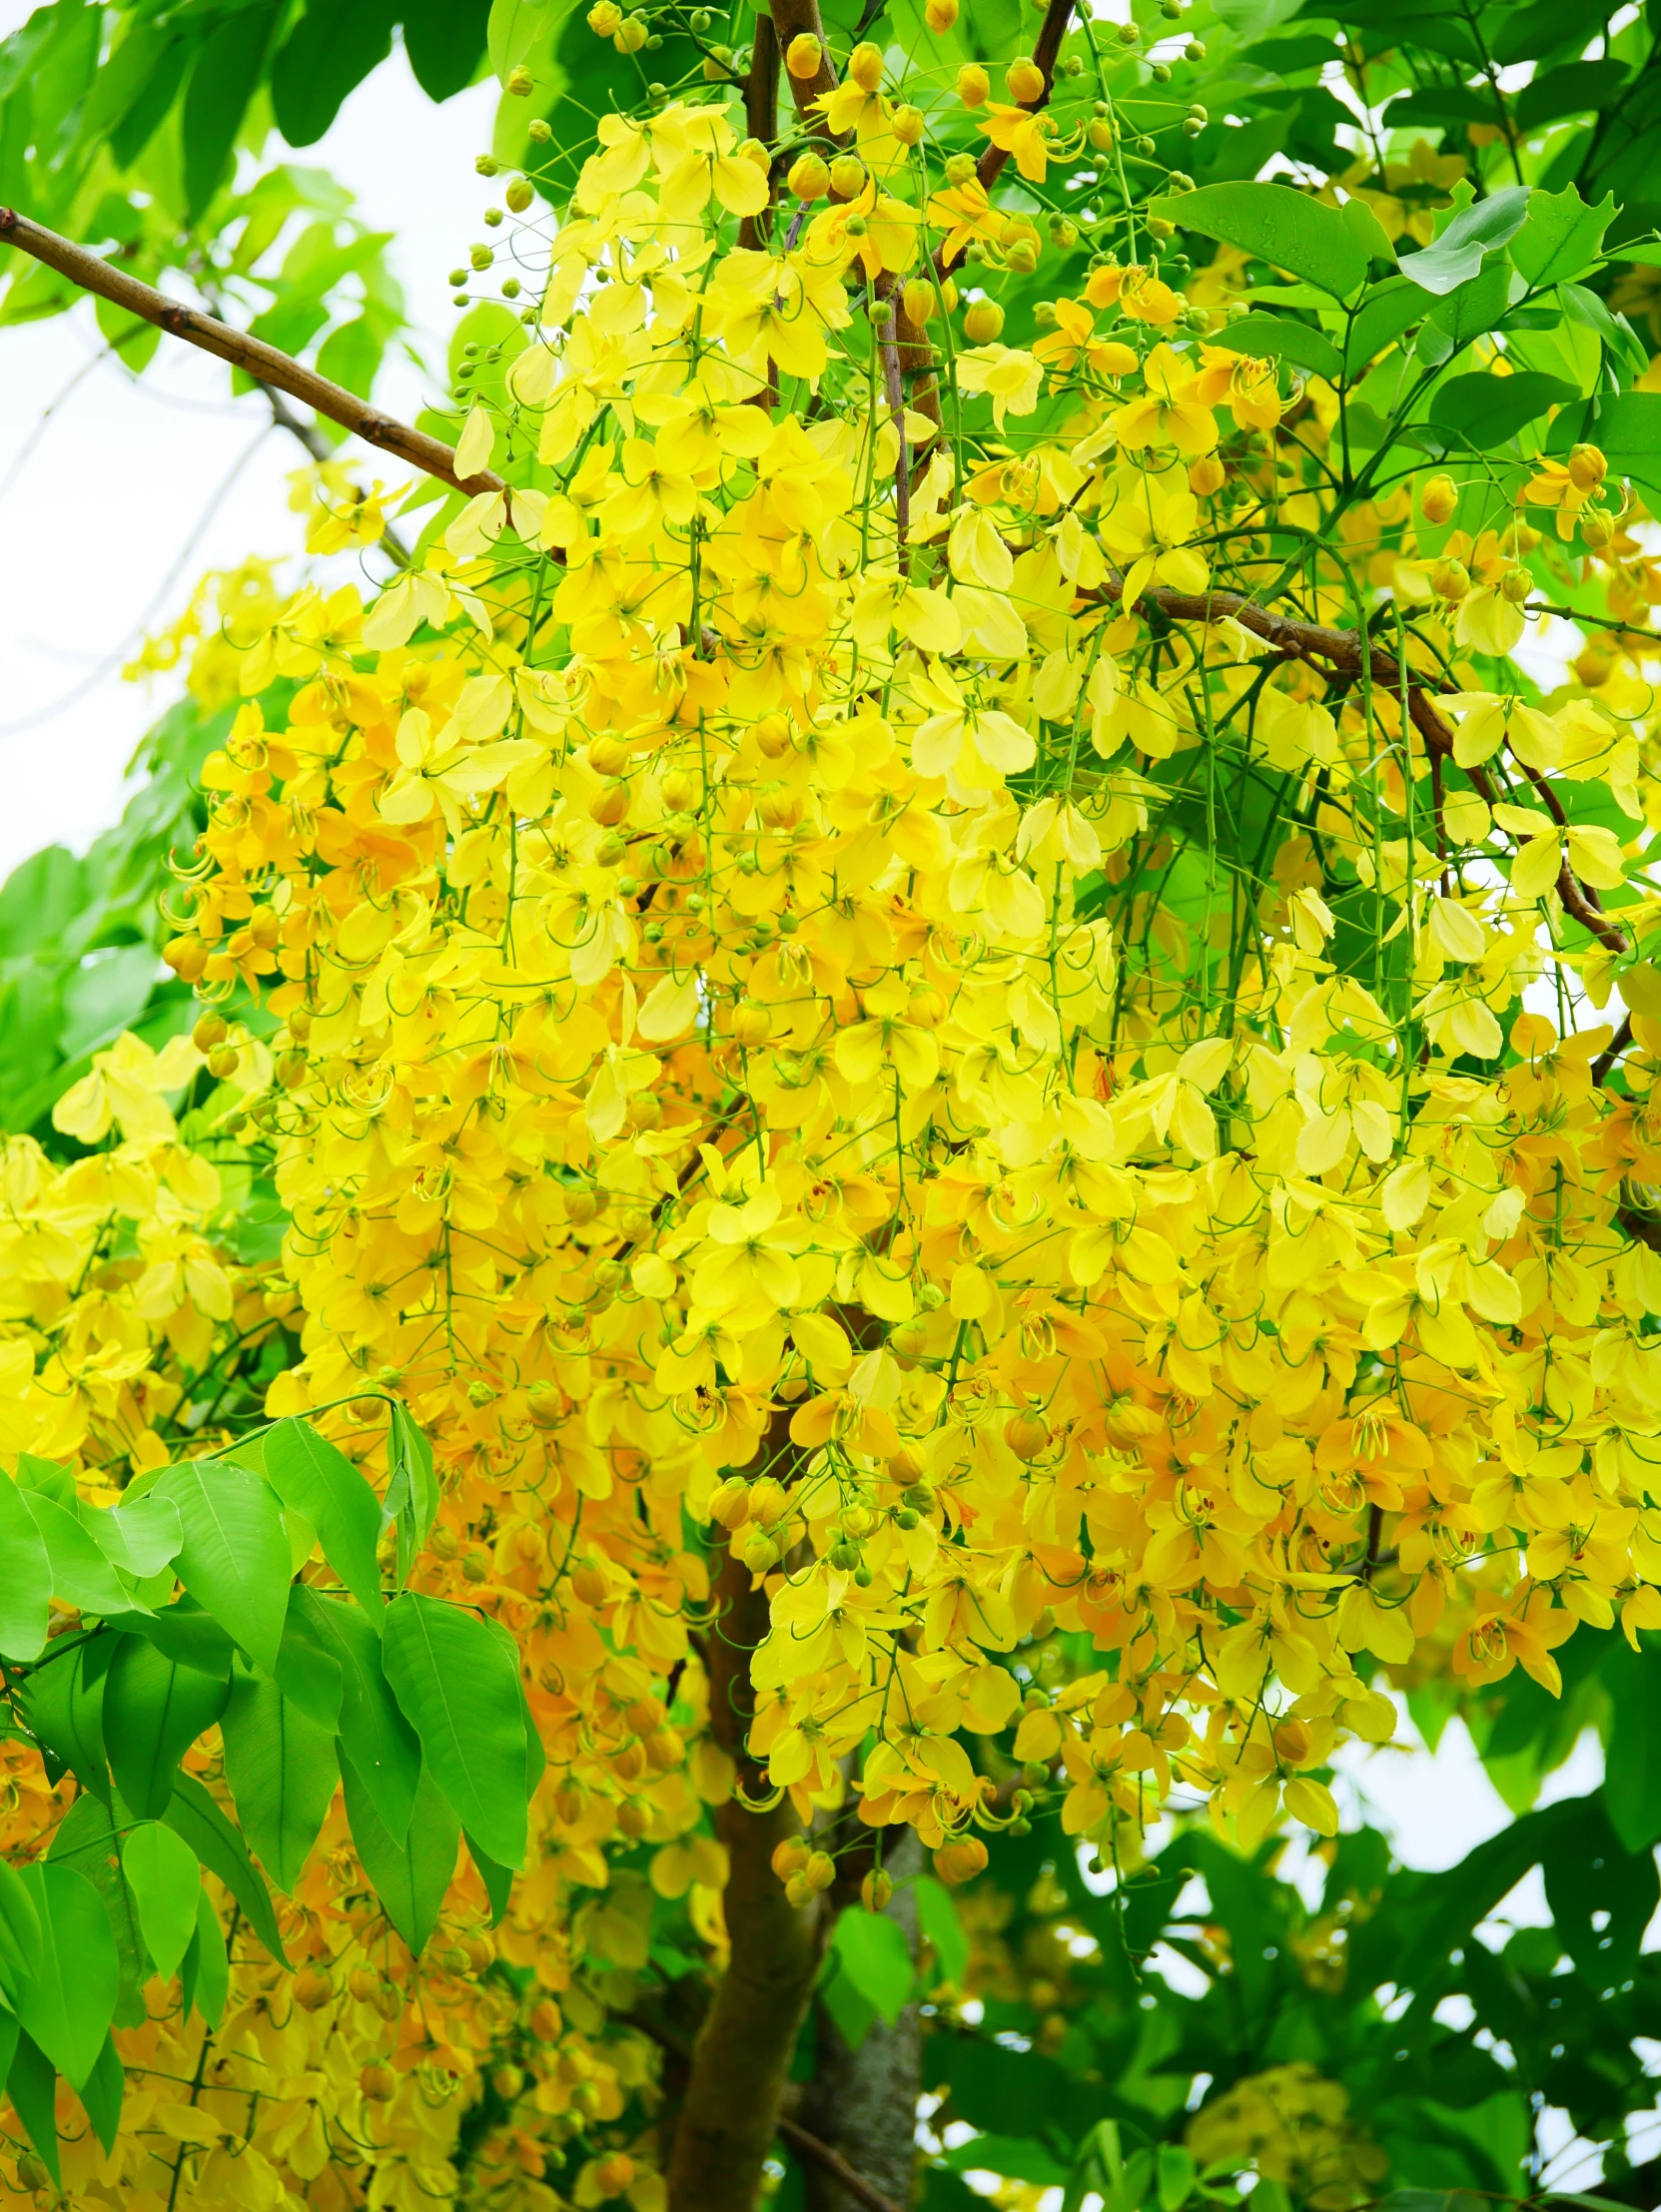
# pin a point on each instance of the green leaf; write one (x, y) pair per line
(408, 1877)
(88, 1838)
(1279, 226)
(102, 2094)
(445, 40)
(1473, 308)
(154, 1711)
(1374, 239)
(1485, 411)
(81, 1575)
(307, 1674)
(1474, 233)
(234, 1557)
(166, 1881)
(194, 1816)
(1561, 237)
(937, 1916)
(207, 1965)
(351, 356)
(33, 2088)
(375, 1736)
(1282, 340)
(1014, 2157)
(460, 1692)
(19, 1931)
(282, 1770)
(1571, 88)
(317, 1479)
(182, 1633)
(68, 2004)
(1632, 1770)
(26, 1583)
(227, 72)
(330, 51)
(63, 1703)
(1176, 2174)
(141, 1539)
(413, 1492)
(871, 1950)
(497, 1880)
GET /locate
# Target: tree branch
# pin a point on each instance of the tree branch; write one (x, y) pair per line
(833, 2163)
(265, 364)
(1057, 16)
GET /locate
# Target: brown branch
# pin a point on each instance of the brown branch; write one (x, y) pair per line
(761, 120)
(833, 2163)
(801, 2140)
(265, 364)
(1057, 16)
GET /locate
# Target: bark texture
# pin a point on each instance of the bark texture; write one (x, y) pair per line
(741, 2061)
(863, 2102)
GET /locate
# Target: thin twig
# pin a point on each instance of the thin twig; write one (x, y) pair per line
(265, 364)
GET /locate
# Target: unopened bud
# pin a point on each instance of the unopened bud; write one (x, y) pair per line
(974, 85)
(521, 82)
(803, 55)
(1438, 499)
(981, 321)
(1587, 467)
(809, 177)
(847, 176)
(875, 1891)
(917, 301)
(908, 124)
(1450, 579)
(940, 15)
(1024, 81)
(865, 66)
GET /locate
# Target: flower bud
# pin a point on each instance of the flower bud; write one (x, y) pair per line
(960, 1859)
(1598, 528)
(1438, 499)
(1207, 475)
(981, 321)
(1027, 1435)
(632, 34)
(1587, 467)
(974, 85)
(940, 15)
(917, 301)
(1022, 256)
(908, 124)
(379, 2084)
(520, 82)
(1450, 579)
(604, 17)
(1100, 135)
(1515, 585)
(790, 1857)
(865, 66)
(730, 1502)
(847, 176)
(803, 55)
(752, 1024)
(820, 1871)
(313, 1988)
(1024, 81)
(875, 1891)
(960, 169)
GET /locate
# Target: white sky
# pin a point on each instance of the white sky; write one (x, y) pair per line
(118, 506)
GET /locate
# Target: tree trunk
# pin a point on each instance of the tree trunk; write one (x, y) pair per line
(863, 2102)
(741, 2061)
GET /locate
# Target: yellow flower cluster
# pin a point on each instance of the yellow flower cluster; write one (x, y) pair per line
(708, 1048)
(1292, 2127)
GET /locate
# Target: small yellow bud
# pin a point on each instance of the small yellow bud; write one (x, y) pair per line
(1206, 475)
(1450, 579)
(1515, 585)
(1438, 499)
(790, 1857)
(1024, 81)
(940, 15)
(521, 82)
(752, 1024)
(604, 17)
(1100, 135)
(846, 177)
(908, 124)
(865, 66)
(1587, 467)
(1597, 528)
(632, 34)
(974, 85)
(803, 55)
(820, 1871)
(981, 321)
(809, 177)
(519, 195)
(918, 302)
(959, 1861)
(875, 1891)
